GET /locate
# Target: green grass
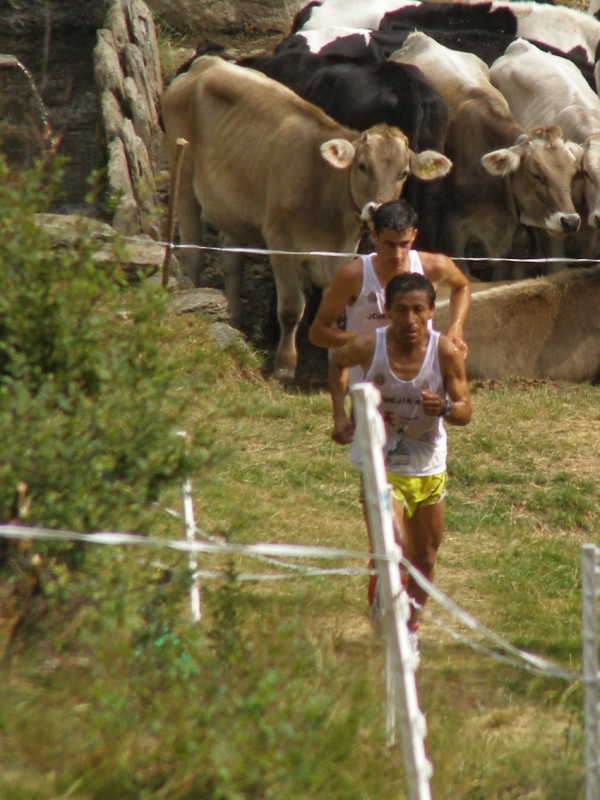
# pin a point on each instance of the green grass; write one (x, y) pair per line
(278, 692)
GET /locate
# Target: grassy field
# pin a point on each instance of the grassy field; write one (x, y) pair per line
(278, 692)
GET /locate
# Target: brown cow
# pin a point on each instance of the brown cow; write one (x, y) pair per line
(269, 169)
(540, 328)
(502, 177)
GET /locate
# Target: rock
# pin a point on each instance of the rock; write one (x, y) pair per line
(116, 22)
(112, 116)
(144, 36)
(193, 16)
(135, 69)
(126, 217)
(207, 301)
(142, 176)
(224, 335)
(107, 67)
(136, 253)
(139, 111)
(64, 229)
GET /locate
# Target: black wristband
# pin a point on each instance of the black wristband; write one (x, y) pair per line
(446, 409)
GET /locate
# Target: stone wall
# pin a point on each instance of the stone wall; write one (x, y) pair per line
(129, 83)
(194, 16)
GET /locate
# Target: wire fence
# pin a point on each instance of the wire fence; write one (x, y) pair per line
(274, 553)
(257, 251)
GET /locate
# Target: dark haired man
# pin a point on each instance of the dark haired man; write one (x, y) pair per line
(422, 379)
(358, 287)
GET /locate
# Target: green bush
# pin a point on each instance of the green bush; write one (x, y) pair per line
(88, 411)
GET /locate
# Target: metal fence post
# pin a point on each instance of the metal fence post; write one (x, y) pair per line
(590, 667)
(401, 685)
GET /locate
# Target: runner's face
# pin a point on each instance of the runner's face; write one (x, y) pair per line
(409, 314)
(393, 246)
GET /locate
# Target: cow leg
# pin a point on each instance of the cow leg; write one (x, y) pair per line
(190, 230)
(290, 307)
(233, 269)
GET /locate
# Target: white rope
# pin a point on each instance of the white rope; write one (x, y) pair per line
(256, 251)
(532, 662)
(112, 538)
(536, 663)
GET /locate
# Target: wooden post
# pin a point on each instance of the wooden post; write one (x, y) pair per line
(173, 195)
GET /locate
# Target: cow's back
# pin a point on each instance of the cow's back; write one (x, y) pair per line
(251, 140)
(454, 75)
(539, 85)
(540, 328)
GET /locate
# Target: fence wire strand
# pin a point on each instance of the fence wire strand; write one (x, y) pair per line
(516, 657)
(257, 251)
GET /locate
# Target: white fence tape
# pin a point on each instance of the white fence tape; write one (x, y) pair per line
(257, 251)
(519, 657)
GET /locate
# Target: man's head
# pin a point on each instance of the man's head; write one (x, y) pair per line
(409, 282)
(396, 215)
(394, 233)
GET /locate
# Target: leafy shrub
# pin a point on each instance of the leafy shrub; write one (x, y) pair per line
(88, 410)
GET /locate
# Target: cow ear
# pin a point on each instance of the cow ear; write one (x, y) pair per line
(501, 162)
(576, 151)
(338, 152)
(429, 165)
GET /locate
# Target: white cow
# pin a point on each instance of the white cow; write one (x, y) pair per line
(543, 89)
(503, 175)
(353, 13)
(560, 27)
(317, 39)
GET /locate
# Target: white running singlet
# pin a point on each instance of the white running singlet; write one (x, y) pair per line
(416, 443)
(368, 312)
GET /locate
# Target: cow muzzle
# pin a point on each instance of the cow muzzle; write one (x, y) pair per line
(561, 224)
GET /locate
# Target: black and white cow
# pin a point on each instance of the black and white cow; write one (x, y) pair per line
(485, 29)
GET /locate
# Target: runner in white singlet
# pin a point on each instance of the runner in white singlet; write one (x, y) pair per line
(358, 287)
(422, 379)
(367, 313)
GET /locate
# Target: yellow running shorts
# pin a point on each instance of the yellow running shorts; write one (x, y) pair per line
(417, 490)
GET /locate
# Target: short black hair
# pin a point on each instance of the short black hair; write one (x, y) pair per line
(409, 282)
(397, 215)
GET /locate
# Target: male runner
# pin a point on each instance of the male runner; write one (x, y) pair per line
(358, 287)
(422, 379)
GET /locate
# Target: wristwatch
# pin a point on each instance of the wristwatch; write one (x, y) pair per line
(446, 409)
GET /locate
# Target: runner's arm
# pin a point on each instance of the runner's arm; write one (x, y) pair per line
(441, 269)
(342, 291)
(454, 371)
(358, 350)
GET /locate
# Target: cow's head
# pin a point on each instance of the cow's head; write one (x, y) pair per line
(379, 162)
(540, 167)
(590, 168)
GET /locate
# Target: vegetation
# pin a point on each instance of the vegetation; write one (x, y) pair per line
(110, 691)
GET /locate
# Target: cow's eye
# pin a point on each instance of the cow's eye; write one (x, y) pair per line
(403, 175)
(537, 177)
(362, 166)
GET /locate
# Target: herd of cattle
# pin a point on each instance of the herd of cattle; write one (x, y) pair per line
(485, 116)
